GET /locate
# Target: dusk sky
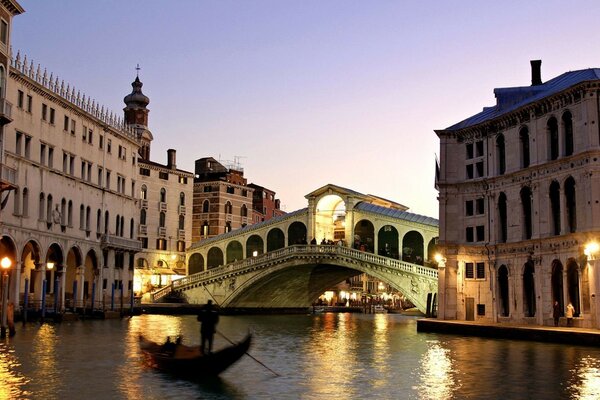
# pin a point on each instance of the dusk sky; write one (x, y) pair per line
(307, 93)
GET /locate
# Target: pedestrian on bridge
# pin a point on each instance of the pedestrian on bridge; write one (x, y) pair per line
(208, 317)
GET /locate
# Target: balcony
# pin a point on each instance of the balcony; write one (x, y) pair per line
(8, 178)
(181, 234)
(182, 210)
(117, 242)
(5, 112)
(162, 232)
(143, 229)
(144, 203)
(162, 206)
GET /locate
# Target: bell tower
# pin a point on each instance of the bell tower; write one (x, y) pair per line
(136, 115)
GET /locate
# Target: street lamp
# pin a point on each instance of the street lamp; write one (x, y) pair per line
(591, 249)
(5, 263)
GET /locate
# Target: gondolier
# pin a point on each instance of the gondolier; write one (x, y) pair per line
(208, 317)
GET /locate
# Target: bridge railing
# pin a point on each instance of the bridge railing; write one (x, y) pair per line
(298, 249)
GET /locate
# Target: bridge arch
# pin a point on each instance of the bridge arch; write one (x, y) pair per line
(412, 247)
(329, 217)
(255, 246)
(214, 257)
(275, 239)
(195, 264)
(432, 249)
(364, 235)
(296, 233)
(235, 251)
(388, 241)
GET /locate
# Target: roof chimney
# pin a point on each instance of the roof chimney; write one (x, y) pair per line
(171, 159)
(536, 72)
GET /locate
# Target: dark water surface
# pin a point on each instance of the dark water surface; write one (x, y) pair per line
(327, 356)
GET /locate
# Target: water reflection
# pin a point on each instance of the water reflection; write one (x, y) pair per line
(586, 379)
(12, 380)
(381, 350)
(437, 379)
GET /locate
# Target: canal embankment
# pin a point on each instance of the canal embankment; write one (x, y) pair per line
(551, 334)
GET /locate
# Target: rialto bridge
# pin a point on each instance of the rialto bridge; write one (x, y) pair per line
(290, 260)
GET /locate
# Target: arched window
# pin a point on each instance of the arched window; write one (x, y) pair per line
(244, 211)
(121, 233)
(555, 207)
(49, 209)
(502, 217)
(88, 216)
(181, 222)
(557, 285)
(70, 213)
(161, 219)
(143, 216)
(552, 128)
(131, 228)
(182, 199)
(573, 286)
(205, 206)
(524, 141)
(526, 203)
(503, 291)
(144, 192)
(106, 220)
(529, 289)
(25, 202)
(501, 154)
(17, 199)
(227, 227)
(2, 82)
(228, 208)
(163, 195)
(42, 207)
(118, 224)
(82, 217)
(99, 221)
(567, 120)
(571, 204)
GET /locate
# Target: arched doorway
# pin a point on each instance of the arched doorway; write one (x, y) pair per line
(412, 248)
(30, 262)
(90, 274)
(196, 264)
(557, 285)
(54, 269)
(364, 236)
(275, 239)
(9, 250)
(330, 219)
(387, 241)
(503, 291)
(254, 246)
(432, 250)
(529, 289)
(573, 286)
(74, 260)
(234, 251)
(214, 257)
(297, 233)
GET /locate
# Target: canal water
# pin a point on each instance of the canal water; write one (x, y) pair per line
(326, 356)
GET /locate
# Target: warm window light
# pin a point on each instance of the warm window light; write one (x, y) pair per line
(5, 263)
(591, 248)
(173, 257)
(50, 265)
(254, 253)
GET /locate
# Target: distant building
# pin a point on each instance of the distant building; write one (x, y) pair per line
(264, 204)
(222, 199)
(519, 189)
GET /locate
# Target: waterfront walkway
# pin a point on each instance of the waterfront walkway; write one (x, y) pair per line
(560, 334)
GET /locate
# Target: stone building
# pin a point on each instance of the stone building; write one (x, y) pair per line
(519, 189)
(222, 199)
(165, 191)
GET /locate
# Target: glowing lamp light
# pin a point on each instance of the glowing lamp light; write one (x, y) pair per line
(591, 249)
(5, 263)
(50, 265)
(173, 257)
(438, 257)
(254, 253)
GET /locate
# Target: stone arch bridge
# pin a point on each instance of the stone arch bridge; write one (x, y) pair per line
(294, 276)
(271, 264)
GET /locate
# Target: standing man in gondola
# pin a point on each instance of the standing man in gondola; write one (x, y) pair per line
(208, 317)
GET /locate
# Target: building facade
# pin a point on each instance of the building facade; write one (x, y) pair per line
(519, 189)
(264, 204)
(222, 199)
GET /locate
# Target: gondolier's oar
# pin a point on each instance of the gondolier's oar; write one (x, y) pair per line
(230, 341)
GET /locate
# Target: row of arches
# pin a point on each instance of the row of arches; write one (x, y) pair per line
(227, 208)
(555, 211)
(555, 139)
(410, 249)
(162, 219)
(560, 278)
(162, 195)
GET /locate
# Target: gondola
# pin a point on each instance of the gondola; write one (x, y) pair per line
(188, 361)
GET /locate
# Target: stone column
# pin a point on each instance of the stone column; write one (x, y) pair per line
(13, 291)
(563, 212)
(441, 297)
(63, 279)
(593, 264)
(80, 278)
